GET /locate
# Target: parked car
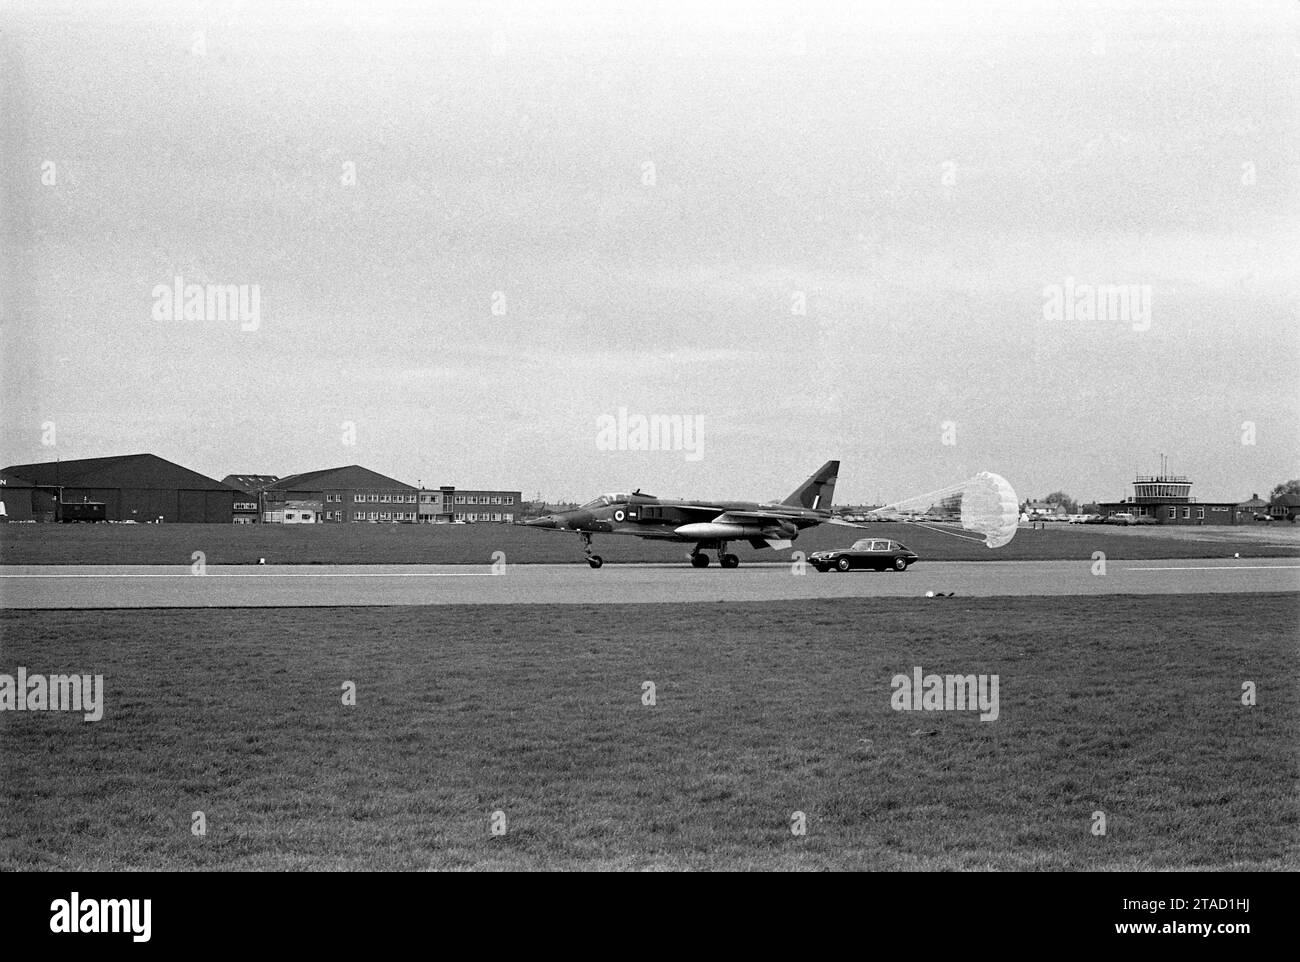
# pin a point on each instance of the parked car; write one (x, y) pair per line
(1120, 518)
(876, 553)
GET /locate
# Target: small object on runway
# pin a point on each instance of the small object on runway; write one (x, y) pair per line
(261, 561)
(923, 731)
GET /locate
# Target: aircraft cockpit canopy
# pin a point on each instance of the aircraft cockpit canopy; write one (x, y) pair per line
(605, 500)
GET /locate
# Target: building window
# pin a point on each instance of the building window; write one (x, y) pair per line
(510, 499)
(460, 499)
(1200, 514)
(508, 517)
(1187, 513)
(1172, 513)
(358, 497)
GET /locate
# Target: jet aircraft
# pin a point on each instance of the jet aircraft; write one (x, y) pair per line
(709, 524)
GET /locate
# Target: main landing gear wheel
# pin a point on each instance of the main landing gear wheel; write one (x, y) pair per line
(729, 561)
(844, 564)
(900, 564)
(594, 560)
(700, 560)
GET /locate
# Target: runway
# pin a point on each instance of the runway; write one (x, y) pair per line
(142, 586)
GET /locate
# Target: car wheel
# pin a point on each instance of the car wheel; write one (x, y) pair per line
(900, 564)
(844, 564)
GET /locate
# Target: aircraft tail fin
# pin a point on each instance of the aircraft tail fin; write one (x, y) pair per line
(818, 490)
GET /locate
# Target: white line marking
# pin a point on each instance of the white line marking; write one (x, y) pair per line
(323, 574)
(1221, 568)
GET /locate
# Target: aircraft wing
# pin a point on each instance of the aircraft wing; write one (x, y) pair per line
(740, 517)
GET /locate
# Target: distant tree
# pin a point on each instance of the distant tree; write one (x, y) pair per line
(1287, 487)
(1064, 500)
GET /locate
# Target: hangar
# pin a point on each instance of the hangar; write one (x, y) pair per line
(132, 487)
(16, 502)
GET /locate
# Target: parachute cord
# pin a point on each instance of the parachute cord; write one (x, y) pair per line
(951, 489)
(962, 537)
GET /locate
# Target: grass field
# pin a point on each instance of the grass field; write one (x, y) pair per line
(475, 544)
(1130, 706)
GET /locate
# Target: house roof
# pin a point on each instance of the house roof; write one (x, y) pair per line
(145, 471)
(1287, 501)
(351, 476)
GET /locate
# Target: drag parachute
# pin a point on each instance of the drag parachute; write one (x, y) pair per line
(985, 504)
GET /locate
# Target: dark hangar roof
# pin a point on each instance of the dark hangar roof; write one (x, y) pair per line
(351, 476)
(144, 471)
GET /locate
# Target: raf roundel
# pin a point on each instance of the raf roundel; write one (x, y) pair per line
(618, 515)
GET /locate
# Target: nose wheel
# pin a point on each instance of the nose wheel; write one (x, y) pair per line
(592, 559)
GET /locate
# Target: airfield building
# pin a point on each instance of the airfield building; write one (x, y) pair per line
(486, 505)
(354, 494)
(248, 510)
(337, 495)
(436, 505)
(1166, 499)
(131, 487)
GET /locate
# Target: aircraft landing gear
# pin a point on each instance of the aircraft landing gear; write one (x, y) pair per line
(592, 559)
(701, 560)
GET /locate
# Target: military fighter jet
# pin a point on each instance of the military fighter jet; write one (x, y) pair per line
(709, 524)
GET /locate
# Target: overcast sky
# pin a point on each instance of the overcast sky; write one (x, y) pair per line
(650, 193)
